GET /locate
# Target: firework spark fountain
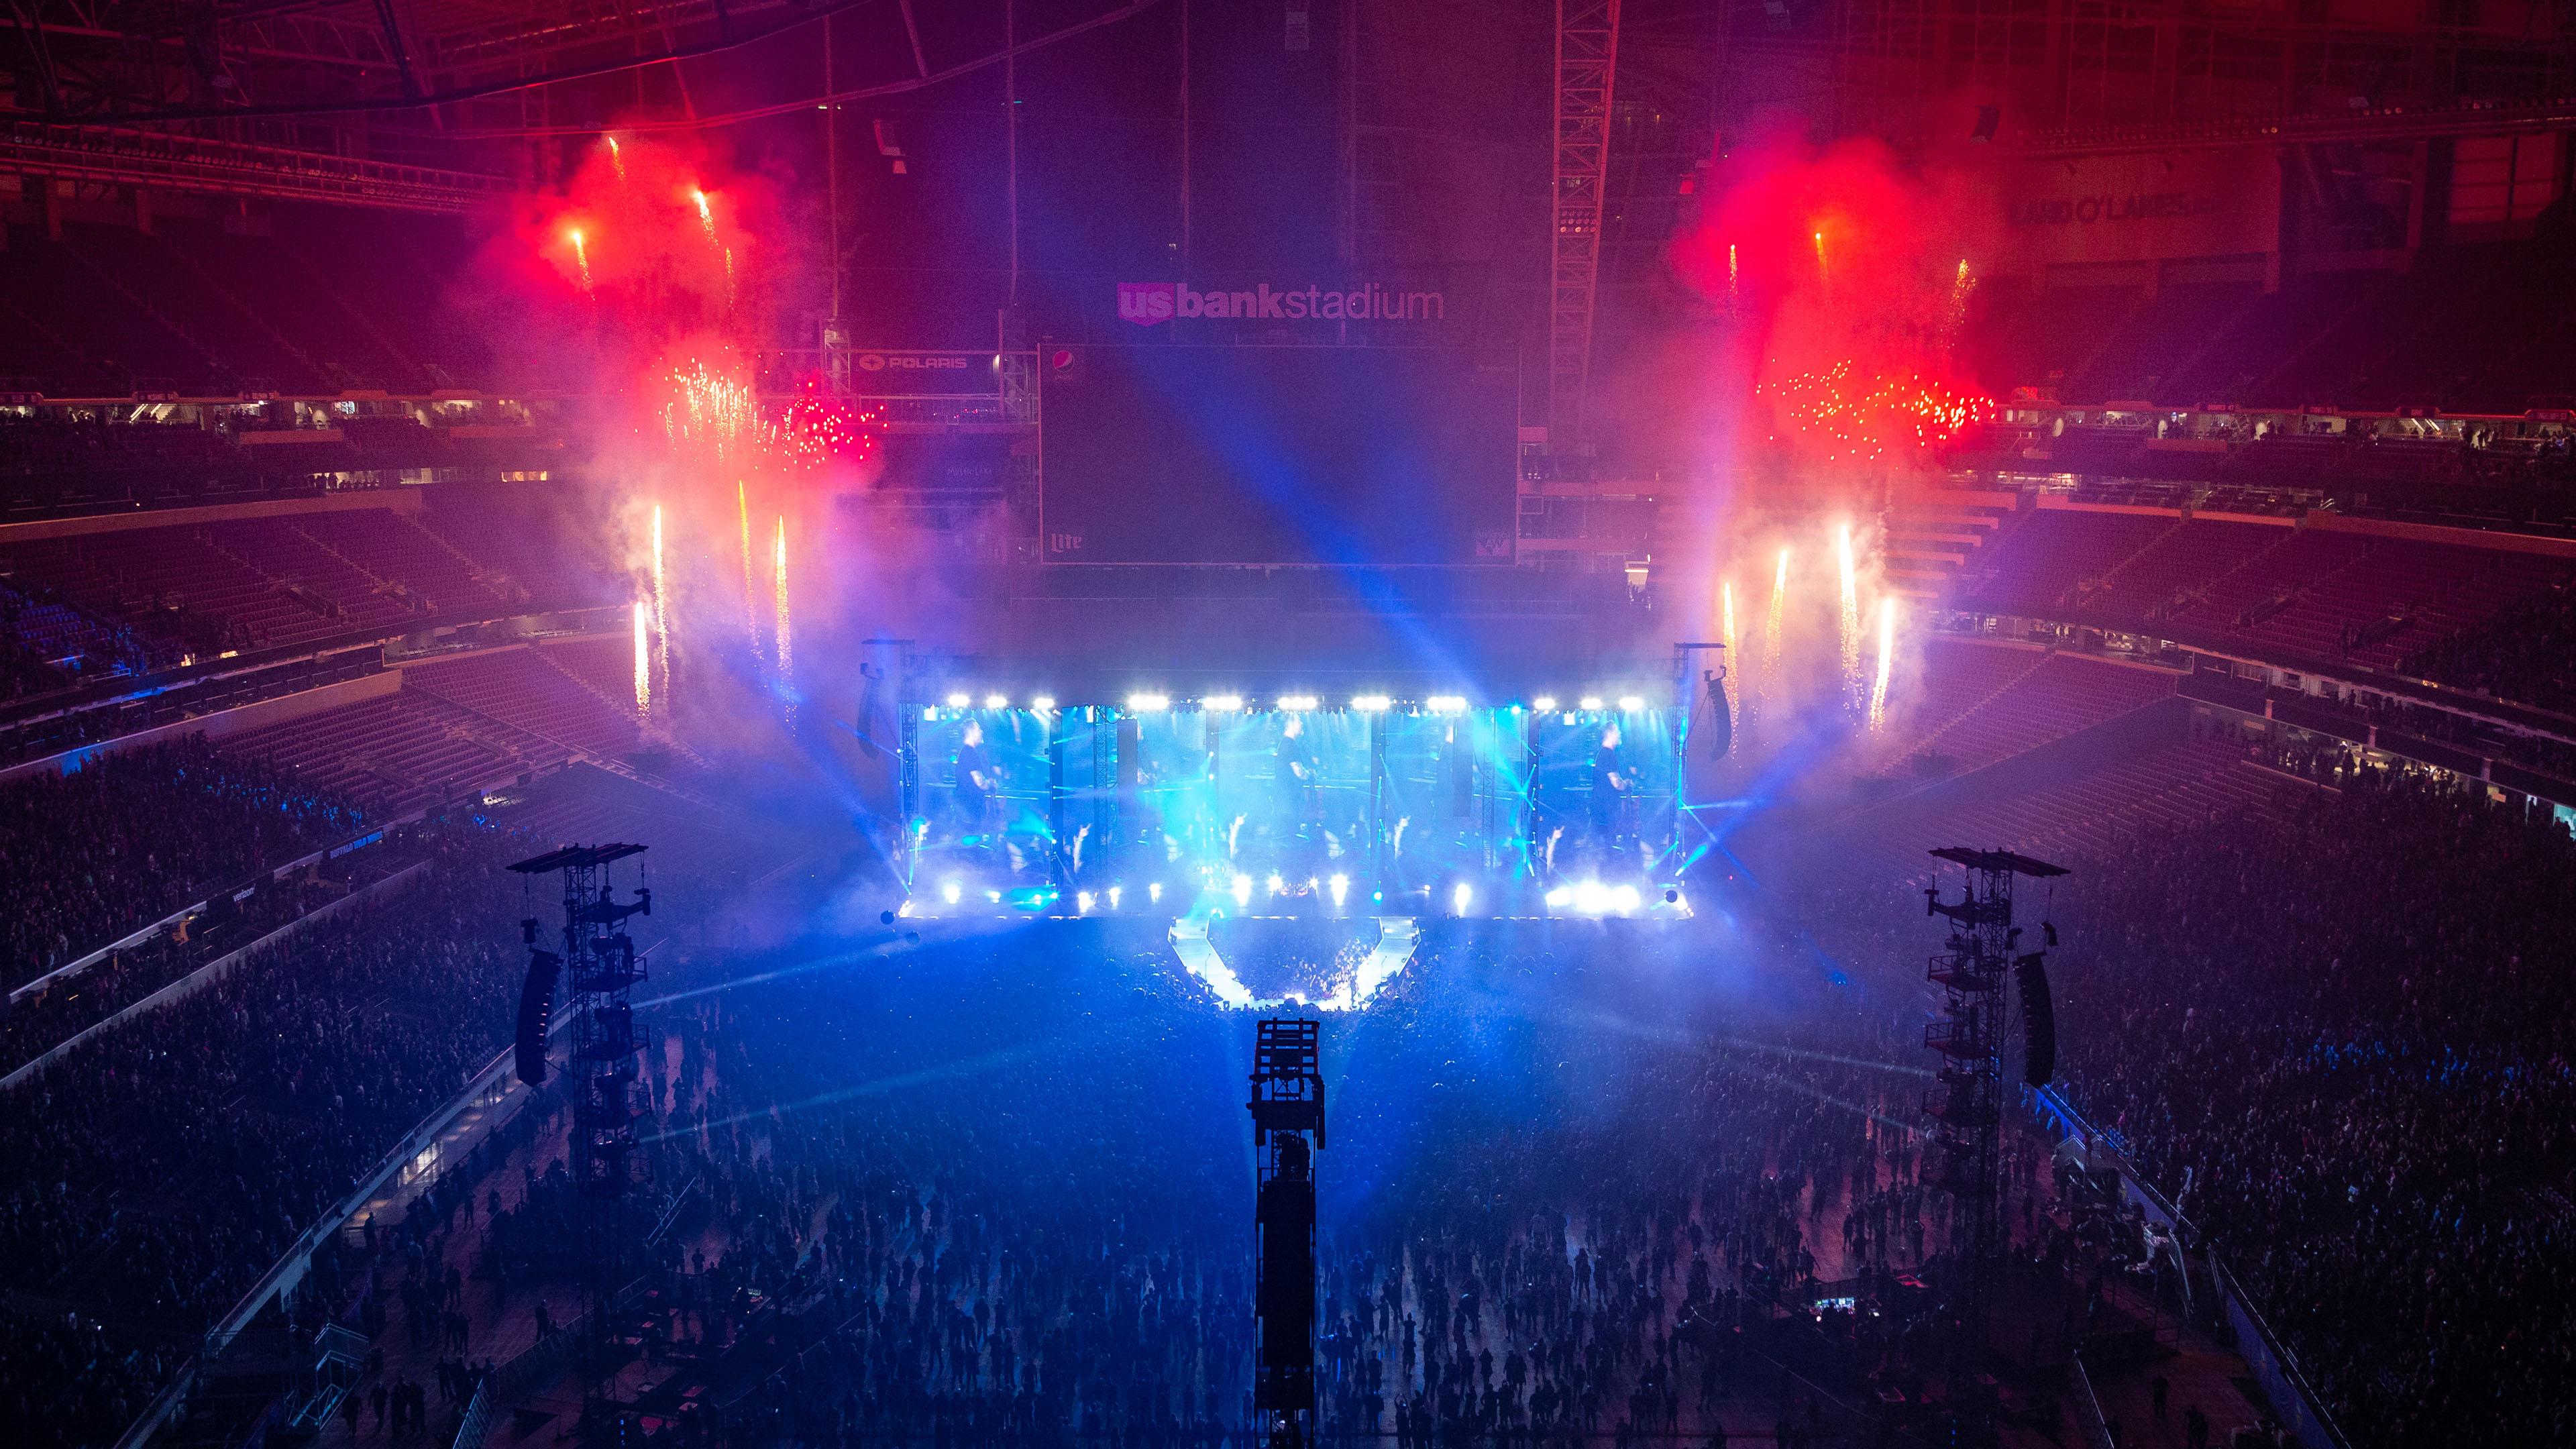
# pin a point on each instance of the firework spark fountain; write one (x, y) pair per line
(661, 579)
(643, 663)
(1850, 614)
(786, 627)
(636, 261)
(1726, 636)
(1886, 662)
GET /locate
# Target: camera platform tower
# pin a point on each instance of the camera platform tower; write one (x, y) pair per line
(1287, 1131)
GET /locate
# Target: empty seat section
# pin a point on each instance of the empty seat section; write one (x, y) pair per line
(125, 346)
(2063, 694)
(275, 282)
(394, 548)
(275, 547)
(519, 687)
(250, 353)
(2165, 332)
(2037, 565)
(2272, 328)
(2161, 577)
(2047, 336)
(1957, 677)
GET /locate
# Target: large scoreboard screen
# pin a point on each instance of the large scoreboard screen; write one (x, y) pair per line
(1345, 456)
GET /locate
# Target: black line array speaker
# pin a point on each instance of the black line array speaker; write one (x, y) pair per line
(2038, 1020)
(536, 1014)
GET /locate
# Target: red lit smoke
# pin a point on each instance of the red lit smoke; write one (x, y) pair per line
(1842, 279)
(653, 285)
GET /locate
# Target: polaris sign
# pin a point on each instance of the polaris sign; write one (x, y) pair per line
(909, 362)
(922, 373)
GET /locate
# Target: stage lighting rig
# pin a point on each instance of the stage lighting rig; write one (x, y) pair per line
(1966, 1105)
(602, 968)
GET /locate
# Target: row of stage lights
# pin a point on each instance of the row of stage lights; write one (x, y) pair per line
(1306, 703)
(1586, 898)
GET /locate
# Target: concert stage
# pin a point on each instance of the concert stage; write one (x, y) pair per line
(1299, 805)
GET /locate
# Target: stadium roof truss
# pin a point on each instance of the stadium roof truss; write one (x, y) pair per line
(1587, 59)
(318, 99)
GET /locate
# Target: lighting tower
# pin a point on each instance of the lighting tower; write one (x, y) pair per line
(603, 969)
(1966, 1104)
(1287, 1132)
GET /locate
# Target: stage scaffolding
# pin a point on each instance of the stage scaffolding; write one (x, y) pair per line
(1965, 1105)
(602, 969)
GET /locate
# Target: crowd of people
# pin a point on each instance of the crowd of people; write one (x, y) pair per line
(1581, 1178)
(2331, 1031)
(48, 1018)
(159, 1169)
(2525, 652)
(91, 854)
(998, 1190)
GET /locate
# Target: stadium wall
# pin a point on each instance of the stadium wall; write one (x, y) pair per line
(220, 723)
(406, 501)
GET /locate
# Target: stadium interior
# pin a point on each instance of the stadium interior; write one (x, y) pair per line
(1855, 721)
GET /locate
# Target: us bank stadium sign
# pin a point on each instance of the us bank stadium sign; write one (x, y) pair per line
(1151, 304)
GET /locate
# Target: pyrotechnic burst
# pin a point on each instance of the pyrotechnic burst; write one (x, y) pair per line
(1960, 291)
(712, 412)
(816, 429)
(786, 624)
(1845, 418)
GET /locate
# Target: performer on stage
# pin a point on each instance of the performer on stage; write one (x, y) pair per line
(979, 785)
(1300, 778)
(1612, 783)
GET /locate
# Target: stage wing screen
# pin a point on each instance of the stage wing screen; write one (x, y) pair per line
(1349, 456)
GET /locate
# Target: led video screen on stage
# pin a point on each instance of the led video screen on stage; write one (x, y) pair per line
(1447, 811)
(1347, 456)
